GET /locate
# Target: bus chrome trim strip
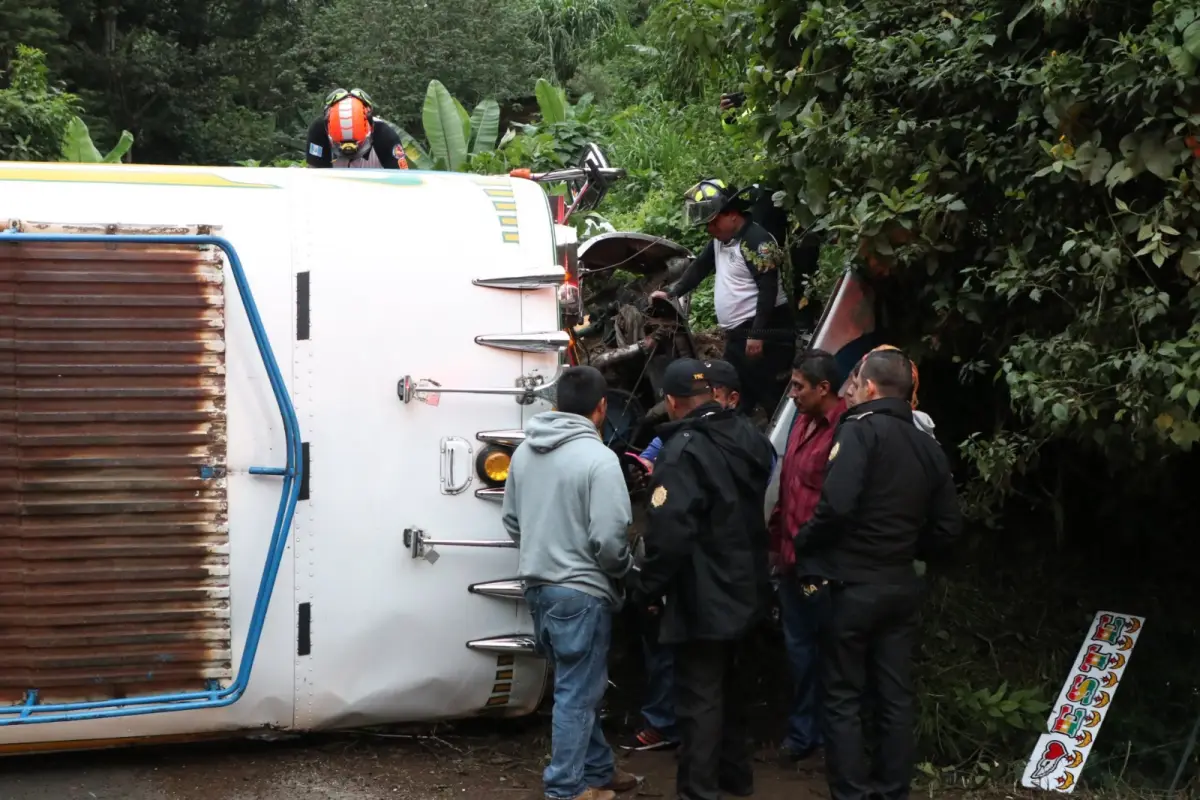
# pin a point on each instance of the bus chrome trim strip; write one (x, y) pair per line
(546, 342)
(516, 643)
(510, 589)
(553, 276)
(509, 438)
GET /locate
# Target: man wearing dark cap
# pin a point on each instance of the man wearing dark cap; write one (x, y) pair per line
(705, 576)
(658, 712)
(723, 380)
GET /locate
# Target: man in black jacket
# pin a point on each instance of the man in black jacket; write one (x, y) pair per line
(888, 499)
(705, 575)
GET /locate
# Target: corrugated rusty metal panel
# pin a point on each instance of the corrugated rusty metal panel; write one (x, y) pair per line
(114, 565)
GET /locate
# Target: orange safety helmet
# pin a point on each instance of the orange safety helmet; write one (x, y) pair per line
(348, 123)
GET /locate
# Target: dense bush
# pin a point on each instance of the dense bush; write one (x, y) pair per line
(33, 113)
(1020, 180)
(1028, 178)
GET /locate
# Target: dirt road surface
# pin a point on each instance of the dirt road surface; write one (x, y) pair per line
(504, 764)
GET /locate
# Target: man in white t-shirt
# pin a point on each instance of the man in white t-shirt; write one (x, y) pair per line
(751, 304)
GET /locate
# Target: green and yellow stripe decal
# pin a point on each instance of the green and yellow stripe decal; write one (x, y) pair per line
(117, 174)
(500, 192)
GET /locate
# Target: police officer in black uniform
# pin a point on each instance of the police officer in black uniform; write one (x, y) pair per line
(705, 575)
(888, 500)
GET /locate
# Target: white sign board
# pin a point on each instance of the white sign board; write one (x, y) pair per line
(1083, 703)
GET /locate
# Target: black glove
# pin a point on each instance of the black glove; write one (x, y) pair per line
(732, 99)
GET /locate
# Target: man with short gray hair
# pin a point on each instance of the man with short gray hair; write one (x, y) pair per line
(888, 498)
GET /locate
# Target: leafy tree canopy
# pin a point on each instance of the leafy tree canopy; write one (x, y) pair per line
(1025, 177)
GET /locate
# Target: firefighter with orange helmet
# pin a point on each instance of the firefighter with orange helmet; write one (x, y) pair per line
(348, 134)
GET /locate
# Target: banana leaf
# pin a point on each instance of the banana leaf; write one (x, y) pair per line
(78, 146)
(77, 143)
(466, 121)
(485, 122)
(551, 102)
(444, 127)
(416, 155)
(117, 153)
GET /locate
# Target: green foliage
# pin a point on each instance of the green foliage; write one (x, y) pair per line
(568, 29)
(552, 141)
(444, 127)
(460, 141)
(666, 147)
(33, 23)
(1029, 182)
(33, 114)
(483, 130)
(552, 102)
(78, 145)
(700, 44)
(997, 712)
(454, 137)
(201, 81)
(475, 48)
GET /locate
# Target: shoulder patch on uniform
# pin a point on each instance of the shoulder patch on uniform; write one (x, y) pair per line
(658, 497)
(398, 153)
(316, 150)
(833, 453)
(765, 256)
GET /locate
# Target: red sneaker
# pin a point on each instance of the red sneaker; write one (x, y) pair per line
(650, 739)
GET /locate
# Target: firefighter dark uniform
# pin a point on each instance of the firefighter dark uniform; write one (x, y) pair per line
(888, 499)
(706, 578)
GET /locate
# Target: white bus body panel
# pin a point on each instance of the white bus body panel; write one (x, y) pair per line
(391, 257)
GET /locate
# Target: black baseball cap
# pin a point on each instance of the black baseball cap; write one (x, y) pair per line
(684, 377)
(722, 373)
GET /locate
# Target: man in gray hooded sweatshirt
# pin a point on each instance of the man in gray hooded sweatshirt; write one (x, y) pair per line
(567, 508)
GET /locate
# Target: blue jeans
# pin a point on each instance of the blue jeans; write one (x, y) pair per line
(573, 630)
(659, 710)
(802, 619)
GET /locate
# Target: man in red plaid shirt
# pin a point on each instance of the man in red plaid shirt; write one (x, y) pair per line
(814, 390)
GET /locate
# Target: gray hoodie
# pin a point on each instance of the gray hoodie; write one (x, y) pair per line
(924, 422)
(567, 508)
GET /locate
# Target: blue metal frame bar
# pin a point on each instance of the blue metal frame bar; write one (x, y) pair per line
(29, 712)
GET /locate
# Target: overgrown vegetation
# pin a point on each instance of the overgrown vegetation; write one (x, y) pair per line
(1018, 178)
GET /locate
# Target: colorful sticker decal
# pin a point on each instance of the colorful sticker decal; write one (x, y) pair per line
(423, 392)
(499, 190)
(1054, 765)
(118, 174)
(1086, 696)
